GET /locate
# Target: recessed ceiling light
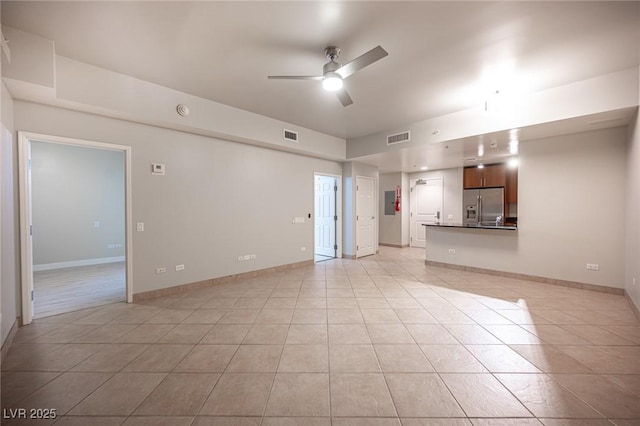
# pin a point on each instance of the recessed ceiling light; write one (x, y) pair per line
(513, 147)
(424, 168)
(513, 162)
(481, 166)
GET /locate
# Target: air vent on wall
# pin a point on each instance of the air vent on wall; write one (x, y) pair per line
(291, 135)
(398, 138)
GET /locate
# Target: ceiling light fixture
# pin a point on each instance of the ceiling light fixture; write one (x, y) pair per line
(424, 168)
(481, 166)
(513, 163)
(332, 81)
(513, 147)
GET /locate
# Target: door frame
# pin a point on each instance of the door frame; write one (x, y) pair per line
(375, 217)
(338, 212)
(24, 184)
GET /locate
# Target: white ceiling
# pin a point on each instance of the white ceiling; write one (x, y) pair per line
(443, 56)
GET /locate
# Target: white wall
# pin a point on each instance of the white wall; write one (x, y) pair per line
(10, 266)
(218, 200)
(571, 198)
(73, 190)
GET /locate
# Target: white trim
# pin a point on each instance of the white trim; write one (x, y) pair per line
(76, 263)
(26, 250)
(26, 254)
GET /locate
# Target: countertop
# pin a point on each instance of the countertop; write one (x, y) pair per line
(460, 225)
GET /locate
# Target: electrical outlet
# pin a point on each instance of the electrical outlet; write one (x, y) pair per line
(179, 267)
(161, 270)
(303, 249)
(450, 217)
(452, 251)
(593, 267)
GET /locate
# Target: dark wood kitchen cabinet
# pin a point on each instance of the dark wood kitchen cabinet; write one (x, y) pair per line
(511, 188)
(491, 176)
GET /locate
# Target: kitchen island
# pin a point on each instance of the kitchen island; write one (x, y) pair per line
(506, 251)
(477, 248)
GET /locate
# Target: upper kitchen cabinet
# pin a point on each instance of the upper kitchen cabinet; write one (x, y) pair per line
(491, 176)
(511, 189)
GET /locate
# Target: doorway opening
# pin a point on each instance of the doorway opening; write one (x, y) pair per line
(327, 217)
(74, 224)
(425, 206)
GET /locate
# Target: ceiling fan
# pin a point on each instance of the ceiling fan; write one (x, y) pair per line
(333, 73)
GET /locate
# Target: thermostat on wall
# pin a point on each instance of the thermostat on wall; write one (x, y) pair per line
(157, 169)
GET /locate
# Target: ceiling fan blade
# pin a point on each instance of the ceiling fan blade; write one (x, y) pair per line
(362, 61)
(344, 97)
(295, 77)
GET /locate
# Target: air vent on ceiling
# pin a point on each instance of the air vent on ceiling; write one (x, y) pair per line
(399, 138)
(290, 135)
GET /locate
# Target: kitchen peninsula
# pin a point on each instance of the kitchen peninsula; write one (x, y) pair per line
(480, 248)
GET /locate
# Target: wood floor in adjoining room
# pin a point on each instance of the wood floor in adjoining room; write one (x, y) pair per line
(380, 341)
(58, 291)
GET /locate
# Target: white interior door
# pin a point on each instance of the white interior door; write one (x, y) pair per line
(365, 216)
(325, 215)
(426, 207)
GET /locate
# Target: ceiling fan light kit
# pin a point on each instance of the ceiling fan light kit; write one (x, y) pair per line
(332, 82)
(334, 73)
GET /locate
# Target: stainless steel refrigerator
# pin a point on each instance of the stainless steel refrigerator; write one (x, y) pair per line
(483, 206)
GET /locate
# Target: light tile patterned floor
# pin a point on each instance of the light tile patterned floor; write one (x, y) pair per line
(380, 341)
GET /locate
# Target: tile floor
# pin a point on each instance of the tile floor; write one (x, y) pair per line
(380, 341)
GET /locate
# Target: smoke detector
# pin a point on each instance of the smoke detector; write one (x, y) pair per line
(183, 110)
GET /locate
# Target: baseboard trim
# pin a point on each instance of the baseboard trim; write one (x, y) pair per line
(634, 308)
(394, 245)
(76, 263)
(349, 256)
(183, 288)
(9, 340)
(535, 278)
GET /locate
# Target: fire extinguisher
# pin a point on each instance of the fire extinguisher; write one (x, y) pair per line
(398, 195)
